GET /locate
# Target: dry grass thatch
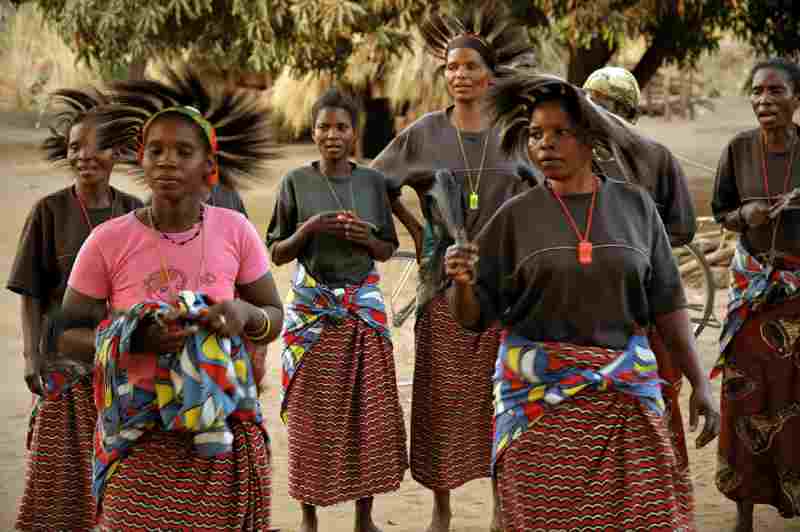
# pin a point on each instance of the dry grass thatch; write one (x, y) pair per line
(34, 61)
(412, 78)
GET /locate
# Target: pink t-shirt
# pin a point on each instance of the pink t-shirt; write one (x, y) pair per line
(123, 260)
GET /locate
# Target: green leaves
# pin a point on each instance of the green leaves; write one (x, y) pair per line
(265, 35)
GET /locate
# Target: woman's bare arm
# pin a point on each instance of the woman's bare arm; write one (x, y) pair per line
(32, 315)
(674, 328)
(262, 295)
(411, 224)
(80, 315)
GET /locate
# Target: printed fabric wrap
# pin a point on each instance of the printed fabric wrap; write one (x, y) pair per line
(195, 391)
(311, 305)
(752, 285)
(58, 378)
(532, 376)
(434, 243)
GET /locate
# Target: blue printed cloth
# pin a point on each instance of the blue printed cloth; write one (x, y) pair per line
(194, 391)
(309, 307)
(532, 376)
(753, 284)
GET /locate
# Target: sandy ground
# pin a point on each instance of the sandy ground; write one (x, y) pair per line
(26, 179)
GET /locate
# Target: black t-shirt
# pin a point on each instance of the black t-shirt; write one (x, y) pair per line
(669, 189)
(530, 278)
(227, 197)
(740, 179)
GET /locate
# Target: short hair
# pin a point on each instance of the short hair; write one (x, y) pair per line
(333, 98)
(790, 68)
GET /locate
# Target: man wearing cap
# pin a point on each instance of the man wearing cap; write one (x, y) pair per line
(616, 90)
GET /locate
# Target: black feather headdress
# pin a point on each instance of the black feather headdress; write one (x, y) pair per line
(74, 106)
(514, 98)
(489, 26)
(240, 123)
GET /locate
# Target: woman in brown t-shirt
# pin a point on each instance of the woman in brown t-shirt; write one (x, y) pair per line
(451, 412)
(759, 461)
(58, 493)
(579, 440)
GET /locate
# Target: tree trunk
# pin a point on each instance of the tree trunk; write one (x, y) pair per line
(650, 62)
(584, 61)
(137, 67)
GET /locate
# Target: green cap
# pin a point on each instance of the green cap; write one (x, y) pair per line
(615, 83)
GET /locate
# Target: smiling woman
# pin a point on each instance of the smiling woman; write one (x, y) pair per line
(58, 483)
(452, 401)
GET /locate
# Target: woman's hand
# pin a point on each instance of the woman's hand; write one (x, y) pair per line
(755, 213)
(167, 335)
(701, 403)
(33, 373)
(460, 263)
(357, 231)
(332, 223)
(228, 318)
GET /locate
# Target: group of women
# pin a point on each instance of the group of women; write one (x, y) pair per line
(144, 327)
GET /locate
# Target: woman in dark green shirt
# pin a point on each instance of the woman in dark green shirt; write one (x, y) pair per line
(340, 403)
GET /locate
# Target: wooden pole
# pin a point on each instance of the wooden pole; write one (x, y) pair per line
(667, 105)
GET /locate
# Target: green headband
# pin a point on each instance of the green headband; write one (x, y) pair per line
(194, 115)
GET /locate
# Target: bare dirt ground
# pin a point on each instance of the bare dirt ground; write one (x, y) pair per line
(27, 178)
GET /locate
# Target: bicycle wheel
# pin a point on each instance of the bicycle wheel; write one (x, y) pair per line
(399, 277)
(700, 289)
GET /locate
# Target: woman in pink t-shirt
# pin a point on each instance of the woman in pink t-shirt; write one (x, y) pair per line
(159, 481)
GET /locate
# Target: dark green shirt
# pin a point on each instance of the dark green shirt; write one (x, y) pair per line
(305, 192)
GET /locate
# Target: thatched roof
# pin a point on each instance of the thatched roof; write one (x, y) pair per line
(411, 78)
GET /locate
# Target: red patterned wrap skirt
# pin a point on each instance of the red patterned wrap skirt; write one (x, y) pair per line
(347, 437)
(58, 483)
(759, 444)
(598, 461)
(163, 484)
(452, 403)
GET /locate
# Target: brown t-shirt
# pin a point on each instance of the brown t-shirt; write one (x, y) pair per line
(304, 193)
(430, 144)
(668, 188)
(740, 179)
(530, 278)
(50, 240)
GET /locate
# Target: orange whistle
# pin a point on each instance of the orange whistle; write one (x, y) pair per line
(584, 252)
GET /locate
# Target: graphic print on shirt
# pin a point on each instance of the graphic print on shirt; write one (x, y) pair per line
(156, 288)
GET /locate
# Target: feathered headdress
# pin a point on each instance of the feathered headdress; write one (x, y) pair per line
(75, 107)
(513, 100)
(234, 123)
(485, 26)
